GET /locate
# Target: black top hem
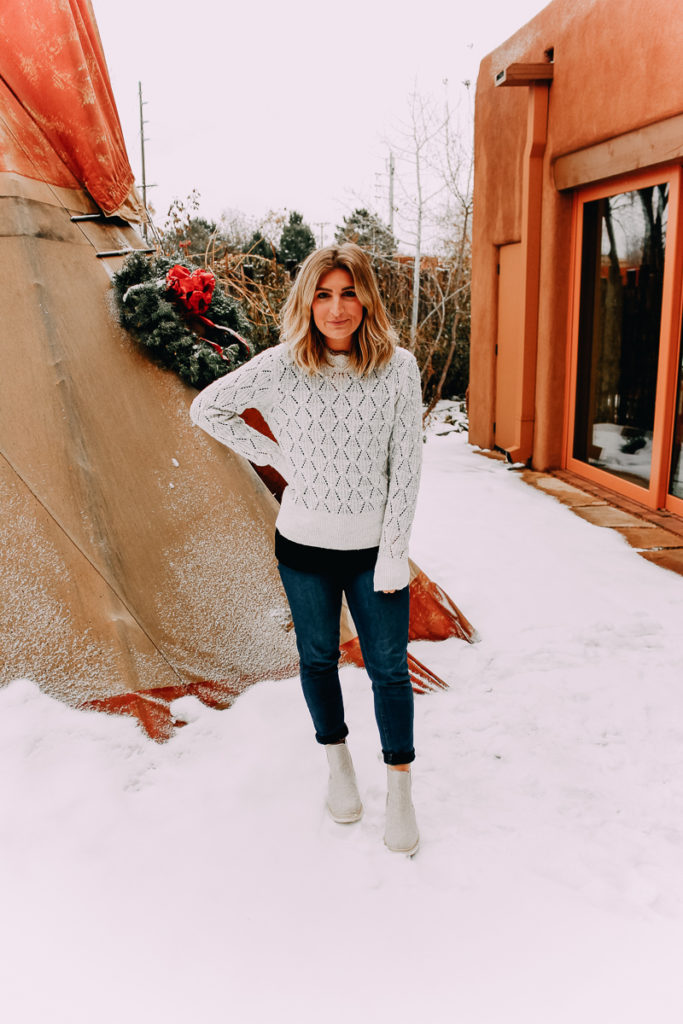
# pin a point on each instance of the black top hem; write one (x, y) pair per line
(307, 558)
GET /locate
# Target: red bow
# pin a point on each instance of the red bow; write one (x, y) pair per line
(195, 290)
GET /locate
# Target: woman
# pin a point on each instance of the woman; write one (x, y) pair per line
(344, 403)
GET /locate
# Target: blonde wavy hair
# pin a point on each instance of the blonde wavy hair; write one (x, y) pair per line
(374, 341)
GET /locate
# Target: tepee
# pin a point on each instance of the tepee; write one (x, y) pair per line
(134, 557)
(135, 553)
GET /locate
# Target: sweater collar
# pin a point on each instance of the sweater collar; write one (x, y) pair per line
(337, 360)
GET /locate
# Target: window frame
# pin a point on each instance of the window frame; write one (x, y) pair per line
(656, 494)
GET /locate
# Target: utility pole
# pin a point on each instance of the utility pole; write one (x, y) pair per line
(321, 224)
(142, 153)
(418, 249)
(392, 168)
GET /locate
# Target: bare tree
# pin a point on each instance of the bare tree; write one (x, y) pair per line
(457, 170)
(434, 178)
(417, 188)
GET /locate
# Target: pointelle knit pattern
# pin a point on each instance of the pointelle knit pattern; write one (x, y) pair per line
(349, 447)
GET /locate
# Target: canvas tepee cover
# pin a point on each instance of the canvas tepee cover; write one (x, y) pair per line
(135, 552)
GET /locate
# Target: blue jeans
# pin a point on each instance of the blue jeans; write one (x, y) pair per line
(315, 600)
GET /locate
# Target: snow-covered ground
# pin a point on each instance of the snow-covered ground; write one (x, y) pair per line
(201, 880)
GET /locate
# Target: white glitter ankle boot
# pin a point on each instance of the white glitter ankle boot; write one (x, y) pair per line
(343, 798)
(401, 834)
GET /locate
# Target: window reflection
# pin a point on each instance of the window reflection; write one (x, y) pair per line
(622, 270)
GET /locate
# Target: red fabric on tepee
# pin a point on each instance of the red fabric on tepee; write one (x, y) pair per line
(152, 708)
(60, 122)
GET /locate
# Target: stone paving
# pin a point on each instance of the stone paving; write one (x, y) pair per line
(649, 533)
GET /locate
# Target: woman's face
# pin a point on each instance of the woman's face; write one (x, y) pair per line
(337, 312)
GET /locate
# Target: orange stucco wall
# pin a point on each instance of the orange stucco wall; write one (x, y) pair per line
(616, 68)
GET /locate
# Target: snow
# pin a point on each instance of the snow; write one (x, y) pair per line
(202, 879)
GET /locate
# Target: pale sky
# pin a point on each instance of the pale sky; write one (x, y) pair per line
(270, 105)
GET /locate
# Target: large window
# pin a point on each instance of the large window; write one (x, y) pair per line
(626, 424)
(622, 261)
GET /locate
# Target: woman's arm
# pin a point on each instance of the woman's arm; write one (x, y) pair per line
(392, 571)
(217, 410)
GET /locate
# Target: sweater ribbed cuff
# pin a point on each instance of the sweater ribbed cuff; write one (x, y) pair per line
(391, 573)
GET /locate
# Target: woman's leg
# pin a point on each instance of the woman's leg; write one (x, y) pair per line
(382, 624)
(315, 602)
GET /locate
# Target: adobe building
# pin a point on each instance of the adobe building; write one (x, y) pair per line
(577, 257)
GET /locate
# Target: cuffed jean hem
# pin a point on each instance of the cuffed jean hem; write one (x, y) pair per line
(399, 758)
(333, 737)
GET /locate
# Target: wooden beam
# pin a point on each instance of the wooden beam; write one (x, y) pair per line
(644, 147)
(524, 74)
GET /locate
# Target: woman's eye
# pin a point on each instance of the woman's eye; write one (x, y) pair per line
(323, 295)
(349, 295)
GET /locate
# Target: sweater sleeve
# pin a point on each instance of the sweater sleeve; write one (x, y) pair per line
(217, 410)
(392, 571)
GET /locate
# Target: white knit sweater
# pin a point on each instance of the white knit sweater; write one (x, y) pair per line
(349, 447)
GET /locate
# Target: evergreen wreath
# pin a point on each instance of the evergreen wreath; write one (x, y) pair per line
(174, 336)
